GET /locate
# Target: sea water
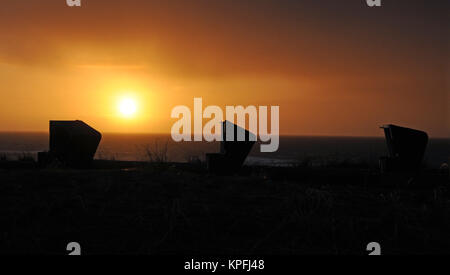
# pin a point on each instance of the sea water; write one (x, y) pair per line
(293, 149)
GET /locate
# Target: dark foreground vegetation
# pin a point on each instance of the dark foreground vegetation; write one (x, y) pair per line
(133, 208)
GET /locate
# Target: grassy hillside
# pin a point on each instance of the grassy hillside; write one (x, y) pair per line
(179, 209)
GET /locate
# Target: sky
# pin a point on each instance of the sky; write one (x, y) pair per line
(333, 67)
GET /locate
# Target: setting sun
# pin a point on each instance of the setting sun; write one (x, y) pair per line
(127, 107)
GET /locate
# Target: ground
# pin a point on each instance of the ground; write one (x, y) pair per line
(179, 209)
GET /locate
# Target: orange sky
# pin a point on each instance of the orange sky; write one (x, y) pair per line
(333, 67)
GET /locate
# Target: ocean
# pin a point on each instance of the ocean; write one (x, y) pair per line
(293, 149)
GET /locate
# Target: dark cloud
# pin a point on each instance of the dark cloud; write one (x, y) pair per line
(220, 37)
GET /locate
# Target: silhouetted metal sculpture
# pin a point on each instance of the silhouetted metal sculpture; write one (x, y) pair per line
(233, 151)
(72, 143)
(406, 149)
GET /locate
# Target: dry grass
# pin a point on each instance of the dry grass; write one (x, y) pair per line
(3, 157)
(157, 153)
(180, 212)
(26, 157)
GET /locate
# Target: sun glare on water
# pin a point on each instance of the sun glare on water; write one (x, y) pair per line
(128, 107)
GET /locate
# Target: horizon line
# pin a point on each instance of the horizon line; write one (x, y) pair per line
(156, 133)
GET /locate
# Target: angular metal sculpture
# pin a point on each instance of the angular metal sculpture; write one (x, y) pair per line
(72, 143)
(235, 146)
(406, 149)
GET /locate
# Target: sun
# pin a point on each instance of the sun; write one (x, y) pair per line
(127, 107)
